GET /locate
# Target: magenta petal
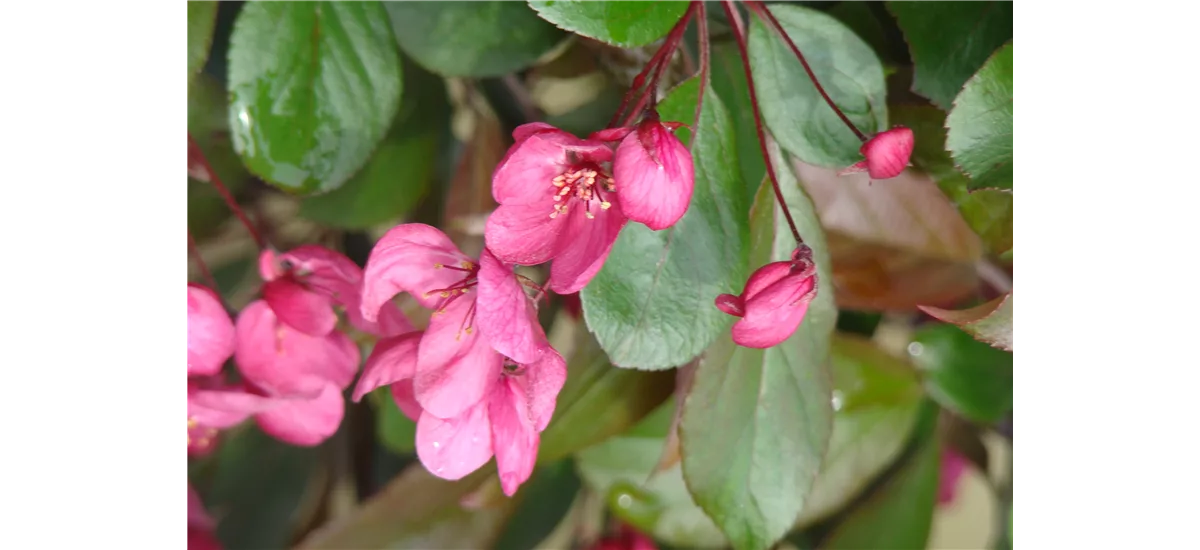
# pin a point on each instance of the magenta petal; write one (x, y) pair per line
(210, 332)
(305, 422)
(952, 469)
(611, 134)
(654, 176)
(527, 171)
(456, 367)
(197, 515)
(389, 322)
(452, 448)
(522, 132)
(284, 361)
(224, 407)
(539, 384)
(268, 265)
(392, 360)
(888, 152)
(504, 314)
(764, 277)
(514, 440)
(305, 311)
(525, 234)
(731, 304)
(405, 260)
(774, 313)
(406, 399)
(588, 244)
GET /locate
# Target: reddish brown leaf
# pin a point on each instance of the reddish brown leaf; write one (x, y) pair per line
(989, 322)
(894, 243)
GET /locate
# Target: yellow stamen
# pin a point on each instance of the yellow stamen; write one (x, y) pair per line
(605, 205)
(438, 266)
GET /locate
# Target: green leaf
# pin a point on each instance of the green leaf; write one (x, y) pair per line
(626, 24)
(202, 18)
(471, 38)
(620, 468)
(793, 108)
(729, 81)
(899, 514)
(651, 306)
(966, 376)
(258, 487)
(987, 211)
(990, 322)
(949, 41)
(757, 423)
(396, 431)
(875, 398)
(400, 172)
(980, 125)
(545, 500)
(313, 88)
(207, 123)
(599, 401)
(418, 510)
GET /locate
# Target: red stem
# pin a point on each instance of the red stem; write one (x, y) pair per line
(195, 252)
(763, 13)
(196, 156)
(702, 30)
(658, 63)
(740, 35)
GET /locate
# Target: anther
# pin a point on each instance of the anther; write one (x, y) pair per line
(605, 205)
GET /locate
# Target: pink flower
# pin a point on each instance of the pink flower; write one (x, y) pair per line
(953, 467)
(557, 201)
(774, 301)
(886, 154)
(655, 171)
(210, 332)
(200, 524)
(303, 285)
(454, 361)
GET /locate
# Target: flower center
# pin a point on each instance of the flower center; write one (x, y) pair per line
(449, 294)
(586, 183)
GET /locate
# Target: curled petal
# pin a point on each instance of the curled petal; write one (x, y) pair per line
(731, 304)
(589, 244)
(406, 260)
(223, 407)
(284, 361)
(764, 277)
(522, 132)
(406, 399)
(611, 134)
(888, 152)
(392, 360)
(514, 439)
(654, 176)
(525, 234)
(210, 332)
(505, 314)
(303, 310)
(305, 422)
(775, 313)
(456, 368)
(452, 448)
(538, 385)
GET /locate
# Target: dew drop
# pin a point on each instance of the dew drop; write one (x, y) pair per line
(838, 399)
(915, 349)
(436, 444)
(625, 501)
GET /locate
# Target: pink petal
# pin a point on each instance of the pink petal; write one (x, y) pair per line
(654, 176)
(305, 422)
(514, 440)
(774, 313)
(455, 366)
(324, 270)
(504, 314)
(284, 361)
(390, 321)
(218, 408)
(392, 360)
(589, 242)
(268, 265)
(406, 399)
(525, 234)
(764, 277)
(197, 515)
(210, 332)
(731, 304)
(522, 132)
(530, 166)
(405, 260)
(455, 447)
(888, 152)
(611, 134)
(202, 539)
(305, 311)
(538, 385)
(952, 469)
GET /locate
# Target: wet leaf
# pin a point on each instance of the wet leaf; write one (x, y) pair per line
(875, 398)
(314, 87)
(964, 375)
(895, 244)
(791, 105)
(202, 17)
(757, 423)
(471, 38)
(990, 322)
(651, 306)
(620, 23)
(949, 41)
(980, 125)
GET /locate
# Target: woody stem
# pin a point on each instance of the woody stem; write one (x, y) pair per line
(204, 272)
(740, 35)
(763, 13)
(702, 30)
(196, 158)
(658, 64)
